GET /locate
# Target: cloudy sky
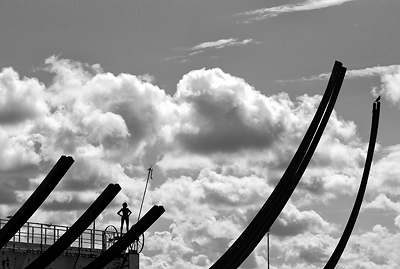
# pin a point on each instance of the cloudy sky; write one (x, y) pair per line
(216, 96)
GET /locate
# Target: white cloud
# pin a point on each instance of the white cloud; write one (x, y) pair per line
(292, 222)
(264, 13)
(219, 44)
(385, 171)
(390, 87)
(224, 113)
(147, 78)
(384, 203)
(373, 249)
(20, 99)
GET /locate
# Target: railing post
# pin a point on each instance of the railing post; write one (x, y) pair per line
(33, 234)
(27, 233)
(93, 232)
(41, 237)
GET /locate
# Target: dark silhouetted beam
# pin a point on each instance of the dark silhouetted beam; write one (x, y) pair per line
(123, 243)
(35, 200)
(334, 259)
(309, 135)
(231, 259)
(262, 222)
(76, 229)
(269, 217)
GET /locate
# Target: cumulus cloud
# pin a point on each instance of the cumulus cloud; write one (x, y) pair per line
(85, 113)
(384, 175)
(264, 13)
(292, 222)
(218, 147)
(304, 250)
(225, 114)
(390, 88)
(383, 203)
(20, 100)
(373, 249)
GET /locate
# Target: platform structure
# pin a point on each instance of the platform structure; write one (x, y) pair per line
(33, 239)
(37, 237)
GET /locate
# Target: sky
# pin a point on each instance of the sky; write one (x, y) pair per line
(216, 97)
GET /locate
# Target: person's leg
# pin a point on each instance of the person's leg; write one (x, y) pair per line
(127, 224)
(122, 225)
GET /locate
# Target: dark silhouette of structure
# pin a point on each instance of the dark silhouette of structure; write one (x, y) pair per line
(37, 245)
(334, 259)
(123, 242)
(124, 213)
(36, 199)
(262, 222)
(76, 229)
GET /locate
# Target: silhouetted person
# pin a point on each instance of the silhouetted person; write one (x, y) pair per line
(378, 99)
(124, 212)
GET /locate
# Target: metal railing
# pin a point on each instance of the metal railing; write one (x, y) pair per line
(40, 236)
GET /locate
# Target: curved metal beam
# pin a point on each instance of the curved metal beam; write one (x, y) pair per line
(334, 259)
(262, 222)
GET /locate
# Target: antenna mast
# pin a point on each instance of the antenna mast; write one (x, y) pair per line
(149, 176)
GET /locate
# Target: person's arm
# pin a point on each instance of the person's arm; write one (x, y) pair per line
(129, 212)
(118, 213)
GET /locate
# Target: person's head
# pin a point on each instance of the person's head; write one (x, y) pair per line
(124, 205)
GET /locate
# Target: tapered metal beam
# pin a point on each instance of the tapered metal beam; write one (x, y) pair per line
(123, 243)
(309, 135)
(36, 199)
(260, 225)
(337, 253)
(76, 229)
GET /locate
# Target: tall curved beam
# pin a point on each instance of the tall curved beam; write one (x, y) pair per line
(35, 200)
(262, 222)
(123, 243)
(76, 229)
(310, 133)
(334, 259)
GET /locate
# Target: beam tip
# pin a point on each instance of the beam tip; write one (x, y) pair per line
(69, 158)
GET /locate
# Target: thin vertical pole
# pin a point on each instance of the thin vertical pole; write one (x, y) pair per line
(268, 247)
